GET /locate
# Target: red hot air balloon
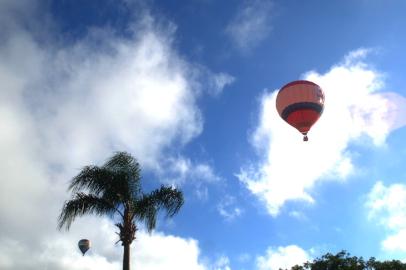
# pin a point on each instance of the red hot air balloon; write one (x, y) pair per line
(300, 103)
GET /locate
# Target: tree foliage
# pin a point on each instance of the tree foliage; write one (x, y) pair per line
(344, 261)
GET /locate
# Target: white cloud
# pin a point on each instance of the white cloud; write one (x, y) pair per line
(244, 257)
(139, 98)
(219, 81)
(59, 251)
(210, 82)
(298, 215)
(222, 263)
(184, 168)
(166, 252)
(251, 24)
(387, 205)
(356, 55)
(228, 209)
(66, 106)
(355, 109)
(282, 258)
(181, 170)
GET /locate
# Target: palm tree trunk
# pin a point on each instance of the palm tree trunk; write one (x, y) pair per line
(126, 257)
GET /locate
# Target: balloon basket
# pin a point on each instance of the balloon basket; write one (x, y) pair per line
(305, 138)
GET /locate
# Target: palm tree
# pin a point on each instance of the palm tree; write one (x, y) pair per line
(114, 189)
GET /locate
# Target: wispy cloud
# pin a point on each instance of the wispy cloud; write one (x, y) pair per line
(222, 263)
(356, 107)
(212, 83)
(219, 82)
(251, 24)
(186, 170)
(298, 215)
(229, 209)
(183, 171)
(387, 205)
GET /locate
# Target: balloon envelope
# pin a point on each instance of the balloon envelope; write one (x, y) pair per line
(300, 104)
(84, 245)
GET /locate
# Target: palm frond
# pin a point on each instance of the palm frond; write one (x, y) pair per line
(82, 204)
(93, 178)
(146, 211)
(102, 182)
(123, 164)
(123, 161)
(168, 198)
(165, 198)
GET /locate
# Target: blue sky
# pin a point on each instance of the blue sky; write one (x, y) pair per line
(189, 87)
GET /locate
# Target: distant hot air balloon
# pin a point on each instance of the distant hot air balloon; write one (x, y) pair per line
(300, 103)
(84, 245)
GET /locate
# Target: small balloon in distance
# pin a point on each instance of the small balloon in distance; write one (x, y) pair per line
(84, 246)
(300, 103)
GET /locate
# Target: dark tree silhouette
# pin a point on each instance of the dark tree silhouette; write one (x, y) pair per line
(114, 189)
(344, 261)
